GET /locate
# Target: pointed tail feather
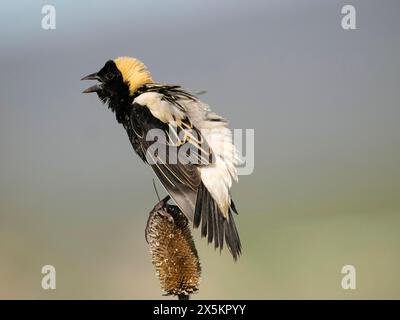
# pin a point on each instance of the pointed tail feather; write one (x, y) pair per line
(214, 225)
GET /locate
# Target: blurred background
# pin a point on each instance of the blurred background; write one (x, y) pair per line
(324, 103)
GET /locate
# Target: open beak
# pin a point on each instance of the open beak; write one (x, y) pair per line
(96, 87)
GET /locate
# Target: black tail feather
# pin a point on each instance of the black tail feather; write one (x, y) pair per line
(214, 225)
(198, 209)
(233, 207)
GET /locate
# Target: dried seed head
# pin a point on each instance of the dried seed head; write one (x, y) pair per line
(172, 250)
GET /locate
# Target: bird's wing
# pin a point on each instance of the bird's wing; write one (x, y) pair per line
(201, 187)
(163, 146)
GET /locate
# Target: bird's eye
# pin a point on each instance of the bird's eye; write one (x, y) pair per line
(110, 76)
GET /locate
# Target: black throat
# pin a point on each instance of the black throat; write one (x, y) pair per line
(121, 106)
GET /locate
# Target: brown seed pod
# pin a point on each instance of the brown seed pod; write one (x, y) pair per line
(172, 250)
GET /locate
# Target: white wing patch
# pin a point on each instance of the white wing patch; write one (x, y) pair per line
(161, 109)
(218, 176)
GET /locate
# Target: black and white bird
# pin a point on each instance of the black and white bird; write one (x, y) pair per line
(200, 188)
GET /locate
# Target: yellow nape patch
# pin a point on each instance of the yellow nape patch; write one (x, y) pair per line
(134, 72)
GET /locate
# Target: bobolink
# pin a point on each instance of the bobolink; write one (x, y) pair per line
(201, 186)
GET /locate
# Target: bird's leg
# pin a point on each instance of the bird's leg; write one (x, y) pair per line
(161, 209)
(162, 203)
(166, 199)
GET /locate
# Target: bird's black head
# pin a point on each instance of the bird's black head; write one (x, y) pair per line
(119, 80)
(111, 87)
